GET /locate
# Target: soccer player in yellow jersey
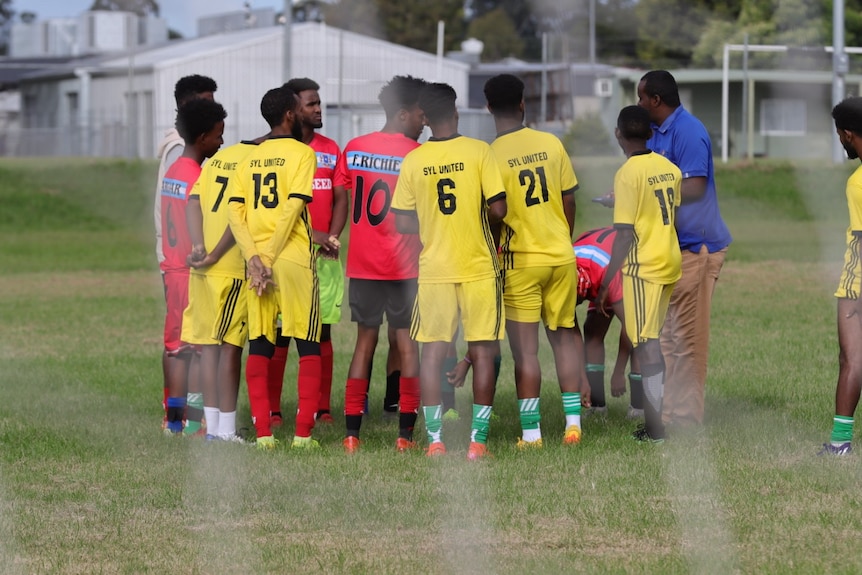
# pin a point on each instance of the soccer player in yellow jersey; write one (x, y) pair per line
(540, 276)
(270, 221)
(848, 123)
(450, 192)
(646, 248)
(217, 315)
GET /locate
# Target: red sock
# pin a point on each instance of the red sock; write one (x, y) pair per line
(408, 387)
(355, 392)
(325, 376)
(308, 391)
(275, 377)
(256, 369)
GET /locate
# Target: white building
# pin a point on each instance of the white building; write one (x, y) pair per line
(90, 33)
(121, 105)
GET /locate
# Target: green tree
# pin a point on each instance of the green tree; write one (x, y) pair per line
(410, 23)
(498, 33)
(139, 7)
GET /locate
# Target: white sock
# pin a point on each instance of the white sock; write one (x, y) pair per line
(211, 415)
(573, 420)
(227, 423)
(530, 435)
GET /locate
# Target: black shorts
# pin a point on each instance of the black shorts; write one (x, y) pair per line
(369, 299)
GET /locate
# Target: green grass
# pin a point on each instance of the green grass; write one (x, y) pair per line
(89, 485)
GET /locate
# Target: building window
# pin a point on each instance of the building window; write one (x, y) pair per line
(779, 117)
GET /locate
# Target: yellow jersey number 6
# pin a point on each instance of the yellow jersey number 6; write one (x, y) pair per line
(446, 200)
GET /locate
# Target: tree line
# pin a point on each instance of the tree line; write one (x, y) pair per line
(637, 33)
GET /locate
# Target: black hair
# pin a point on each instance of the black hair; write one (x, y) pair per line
(301, 84)
(661, 83)
(190, 87)
(848, 115)
(437, 100)
(276, 103)
(504, 94)
(197, 117)
(400, 93)
(634, 124)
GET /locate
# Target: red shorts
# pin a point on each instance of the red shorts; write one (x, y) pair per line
(176, 300)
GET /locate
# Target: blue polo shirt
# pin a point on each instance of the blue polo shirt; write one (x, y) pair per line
(683, 140)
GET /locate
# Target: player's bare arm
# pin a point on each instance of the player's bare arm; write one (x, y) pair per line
(692, 189)
(407, 222)
(195, 224)
(226, 242)
(497, 208)
(622, 245)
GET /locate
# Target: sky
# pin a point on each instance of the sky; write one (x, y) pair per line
(181, 15)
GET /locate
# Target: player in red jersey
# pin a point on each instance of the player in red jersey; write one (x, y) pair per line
(200, 122)
(593, 253)
(382, 264)
(328, 214)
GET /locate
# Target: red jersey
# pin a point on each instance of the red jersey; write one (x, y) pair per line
(369, 166)
(320, 207)
(177, 184)
(593, 253)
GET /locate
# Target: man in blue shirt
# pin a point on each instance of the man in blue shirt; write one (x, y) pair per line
(703, 239)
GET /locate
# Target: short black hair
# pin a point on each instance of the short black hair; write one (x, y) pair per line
(848, 115)
(189, 87)
(634, 124)
(400, 93)
(197, 117)
(504, 94)
(301, 84)
(437, 100)
(276, 103)
(661, 83)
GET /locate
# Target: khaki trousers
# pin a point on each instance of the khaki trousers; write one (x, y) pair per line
(685, 337)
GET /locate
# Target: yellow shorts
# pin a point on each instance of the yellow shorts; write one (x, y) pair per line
(197, 317)
(547, 293)
(230, 322)
(295, 295)
(478, 304)
(645, 304)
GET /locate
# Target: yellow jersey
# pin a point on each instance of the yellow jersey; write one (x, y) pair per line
(449, 183)
(647, 191)
(213, 190)
(268, 213)
(537, 173)
(849, 284)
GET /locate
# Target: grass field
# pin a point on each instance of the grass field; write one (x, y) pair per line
(89, 485)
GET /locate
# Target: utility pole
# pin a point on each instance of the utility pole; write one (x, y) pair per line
(286, 51)
(840, 66)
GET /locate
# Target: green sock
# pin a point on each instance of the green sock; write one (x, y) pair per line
(530, 418)
(194, 411)
(572, 408)
(433, 422)
(842, 429)
(481, 420)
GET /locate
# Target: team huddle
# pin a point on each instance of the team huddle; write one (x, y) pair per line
(453, 235)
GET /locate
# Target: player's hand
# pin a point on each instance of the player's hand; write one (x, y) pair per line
(602, 301)
(607, 200)
(618, 384)
(586, 399)
(584, 283)
(458, 374)
(329, 247)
